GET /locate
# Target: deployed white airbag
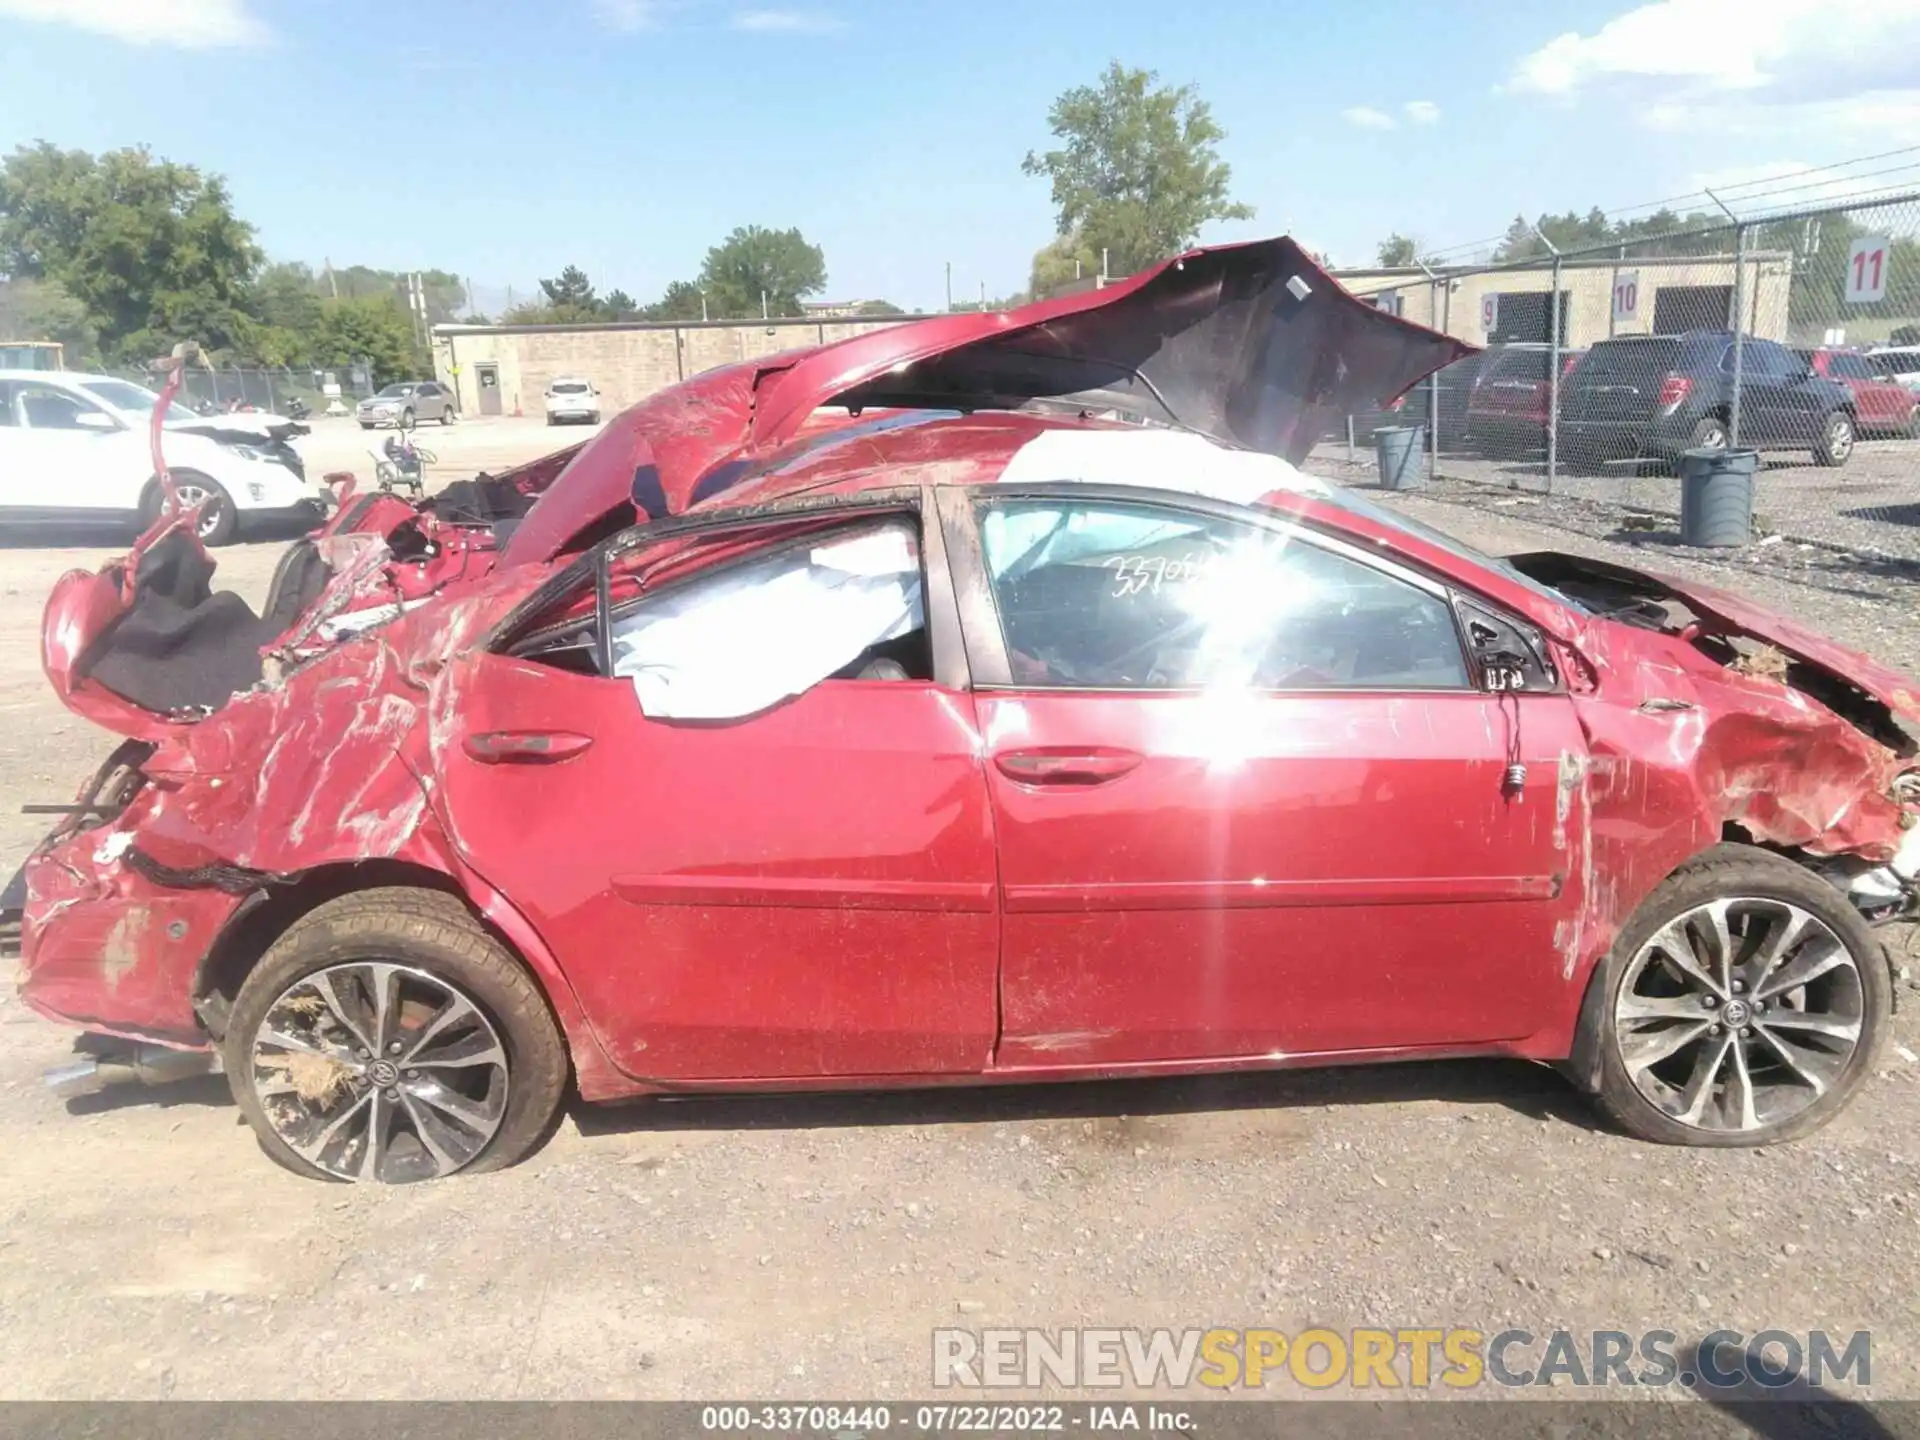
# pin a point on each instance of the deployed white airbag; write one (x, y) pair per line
(748, 637)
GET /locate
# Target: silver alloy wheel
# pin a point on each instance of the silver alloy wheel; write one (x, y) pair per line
(1839, 437)
(1739, 1014)
(1713, 436)
(192, 493)
(380, 1072)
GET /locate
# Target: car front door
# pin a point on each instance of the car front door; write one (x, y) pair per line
(1249, 798)
(756, 836)
(63, 454)
(432, 402)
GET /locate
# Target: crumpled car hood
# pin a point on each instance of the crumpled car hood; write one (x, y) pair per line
(1741, 616)
(242, 427)
(1252, 345)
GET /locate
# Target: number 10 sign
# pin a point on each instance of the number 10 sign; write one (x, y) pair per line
(1867, 270)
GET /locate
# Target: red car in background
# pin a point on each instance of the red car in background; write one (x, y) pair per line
(984, 699)
(1881, 404)
(1508, 406)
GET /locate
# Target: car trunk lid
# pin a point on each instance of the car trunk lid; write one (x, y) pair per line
(1252, 345)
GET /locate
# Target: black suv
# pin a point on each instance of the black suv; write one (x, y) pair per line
(1656, 395)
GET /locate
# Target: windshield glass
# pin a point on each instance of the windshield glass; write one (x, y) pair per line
(135, 399)
(397, 390)
(1439, 539)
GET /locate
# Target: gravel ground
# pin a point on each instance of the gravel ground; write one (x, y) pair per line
(808, 1246)
(1870, 505)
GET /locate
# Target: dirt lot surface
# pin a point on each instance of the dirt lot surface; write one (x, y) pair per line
(807, 1246)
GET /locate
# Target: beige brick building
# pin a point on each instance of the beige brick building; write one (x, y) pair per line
(1671, 295)
(505, 369)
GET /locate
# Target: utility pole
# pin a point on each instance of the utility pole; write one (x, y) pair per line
(763, 305)
(983, 297)
(949, 287)
(703, 307)
(333, 280)
(1103, 264)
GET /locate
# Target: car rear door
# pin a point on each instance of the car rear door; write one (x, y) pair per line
(742, 883)
(1250, 798)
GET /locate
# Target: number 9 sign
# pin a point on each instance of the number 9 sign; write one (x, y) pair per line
(1867, 270)
(1490, 313)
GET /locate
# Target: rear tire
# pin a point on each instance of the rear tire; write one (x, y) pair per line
(1837, 439)
(446, 416)
(461, 1110)
(1794, 1077)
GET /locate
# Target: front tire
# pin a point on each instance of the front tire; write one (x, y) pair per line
(1837, 437)
(1743, 1005)
(388, 1038)
(219, 522)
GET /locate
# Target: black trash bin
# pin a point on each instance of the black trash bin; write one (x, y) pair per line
(1716, 497)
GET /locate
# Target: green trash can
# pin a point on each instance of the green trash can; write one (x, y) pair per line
(1398, 448)
(1716, 497)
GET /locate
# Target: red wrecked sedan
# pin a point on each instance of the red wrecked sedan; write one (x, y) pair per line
(984, 699)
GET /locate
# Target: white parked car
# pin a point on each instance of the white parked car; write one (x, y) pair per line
(1900, 365)
(570, 399)
(74, 449)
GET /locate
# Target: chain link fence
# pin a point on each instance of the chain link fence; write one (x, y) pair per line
(230, 387)
(1794, 334)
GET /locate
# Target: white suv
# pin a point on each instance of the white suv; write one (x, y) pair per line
(74, 450)
(570, 399)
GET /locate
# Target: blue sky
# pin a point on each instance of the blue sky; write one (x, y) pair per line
(507, 138)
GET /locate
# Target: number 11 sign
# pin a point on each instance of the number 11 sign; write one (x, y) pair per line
(1867, 270)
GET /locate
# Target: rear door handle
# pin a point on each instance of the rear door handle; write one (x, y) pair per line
(1065, 767)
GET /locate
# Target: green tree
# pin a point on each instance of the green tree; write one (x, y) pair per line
(754, 262)
(571, 290)
(1139, 172)
(618, 305)
(1060, 262)
(42, 310)
(152, 250)
(1398, 250)
(681, 301)
(376, 328)
(446, 292)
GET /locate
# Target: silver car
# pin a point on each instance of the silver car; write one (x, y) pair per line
(405, 404)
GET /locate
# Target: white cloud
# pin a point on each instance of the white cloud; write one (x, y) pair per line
(789, 21)
(1368, 118)
(1743, 66)
(627, 15)
(1422, 112)
(188, 24)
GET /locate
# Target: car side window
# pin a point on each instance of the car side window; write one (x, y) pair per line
(731, 643)
(1852, 367)
(1118, 596)
(42, 407)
